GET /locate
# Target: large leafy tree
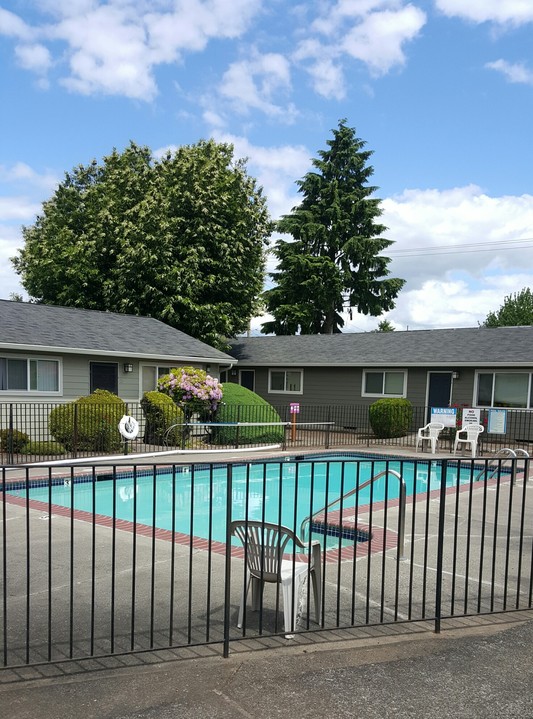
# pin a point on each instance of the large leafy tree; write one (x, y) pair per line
(181, 239)
(334, 261)
(517, 309)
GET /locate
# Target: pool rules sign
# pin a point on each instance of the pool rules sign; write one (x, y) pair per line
(294, 409)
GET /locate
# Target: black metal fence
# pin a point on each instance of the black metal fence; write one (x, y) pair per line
(109, 560)
(32, 432)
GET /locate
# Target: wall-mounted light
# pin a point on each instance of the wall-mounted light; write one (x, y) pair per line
(455, 375)
(208, 368)
(233, 372)
(128, 367)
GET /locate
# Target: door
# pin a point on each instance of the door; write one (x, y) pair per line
(247, 379)
(104, 375)
(439, 391)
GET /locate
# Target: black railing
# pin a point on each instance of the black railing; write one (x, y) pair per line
(33, 432)
(109, 560)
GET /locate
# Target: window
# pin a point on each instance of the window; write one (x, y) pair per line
(150, 375)
(285, 381)
(384, 384)
(504, 389)
(104, 375)
(18, 374)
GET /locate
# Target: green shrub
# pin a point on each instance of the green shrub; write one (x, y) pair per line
(48, 448)
(391, 417)
(89, 423)
(12, 441)
(162, 413)
(242, 405)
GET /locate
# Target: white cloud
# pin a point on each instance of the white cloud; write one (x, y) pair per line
(114, 47)
(257, 82)
(459, 253)
(327, 75)
(502, 12)
(12, 26)
(108, 53)
(34, 57)
(336, 13)
(10, 241)
(379, 39)
(18, 208)
(213, 119)
(373, 32)
(20, 172)
(514, 72)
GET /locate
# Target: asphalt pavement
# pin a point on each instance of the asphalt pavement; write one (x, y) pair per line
(481, 670)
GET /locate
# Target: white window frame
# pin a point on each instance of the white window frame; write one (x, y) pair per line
(35, 392)
(384, 372)
(285, 391)
(529, 404)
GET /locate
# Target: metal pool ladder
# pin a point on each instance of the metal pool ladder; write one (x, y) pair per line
(401, 521)
(500, 459)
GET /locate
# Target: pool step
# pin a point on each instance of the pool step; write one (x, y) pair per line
(337, 526)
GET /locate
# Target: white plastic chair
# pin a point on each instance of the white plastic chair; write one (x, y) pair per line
(469, 434)
(265, 545)
(429, 433)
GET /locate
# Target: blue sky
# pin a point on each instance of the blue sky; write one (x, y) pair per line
(440, 90)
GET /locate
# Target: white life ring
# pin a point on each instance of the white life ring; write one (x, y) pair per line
(128, 427)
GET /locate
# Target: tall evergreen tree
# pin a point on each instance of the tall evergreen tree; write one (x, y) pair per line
(334, 261)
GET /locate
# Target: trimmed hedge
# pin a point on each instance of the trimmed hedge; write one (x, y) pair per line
(161, 414)
(43, 448)
(391, 417)
(12, 441)
(89, 423)
(242, 405)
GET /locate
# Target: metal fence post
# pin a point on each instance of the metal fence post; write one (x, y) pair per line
(237, 437)
(75, 432)
(227, 576)
(440, 545)
(328, 428)
(126, 448)
(10, 441)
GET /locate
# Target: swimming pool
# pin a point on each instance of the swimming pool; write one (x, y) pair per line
(193, 499)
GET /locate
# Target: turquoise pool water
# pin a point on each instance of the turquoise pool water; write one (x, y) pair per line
(274, 492)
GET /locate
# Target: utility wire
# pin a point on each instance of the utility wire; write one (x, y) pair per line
(464, 248)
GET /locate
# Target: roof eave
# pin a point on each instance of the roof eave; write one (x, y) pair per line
(225, 359)
(383, 363)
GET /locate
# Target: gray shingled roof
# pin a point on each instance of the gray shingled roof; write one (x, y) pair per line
(480, 346)
(73, 330)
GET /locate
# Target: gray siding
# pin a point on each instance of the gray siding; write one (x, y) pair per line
(75, 372)
(343, 385)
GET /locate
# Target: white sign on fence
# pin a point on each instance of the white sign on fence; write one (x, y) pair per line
(497, 421)
(444, 415)
(471, 416)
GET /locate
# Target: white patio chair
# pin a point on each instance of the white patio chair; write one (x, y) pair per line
(265, 545)
(429, 433)
(469, 434)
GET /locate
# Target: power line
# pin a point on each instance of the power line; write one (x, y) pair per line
(464, 248)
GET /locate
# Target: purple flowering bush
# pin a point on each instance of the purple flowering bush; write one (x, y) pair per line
(191, 389)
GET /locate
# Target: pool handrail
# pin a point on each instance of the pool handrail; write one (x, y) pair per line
(403, 501)
(500, 459)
